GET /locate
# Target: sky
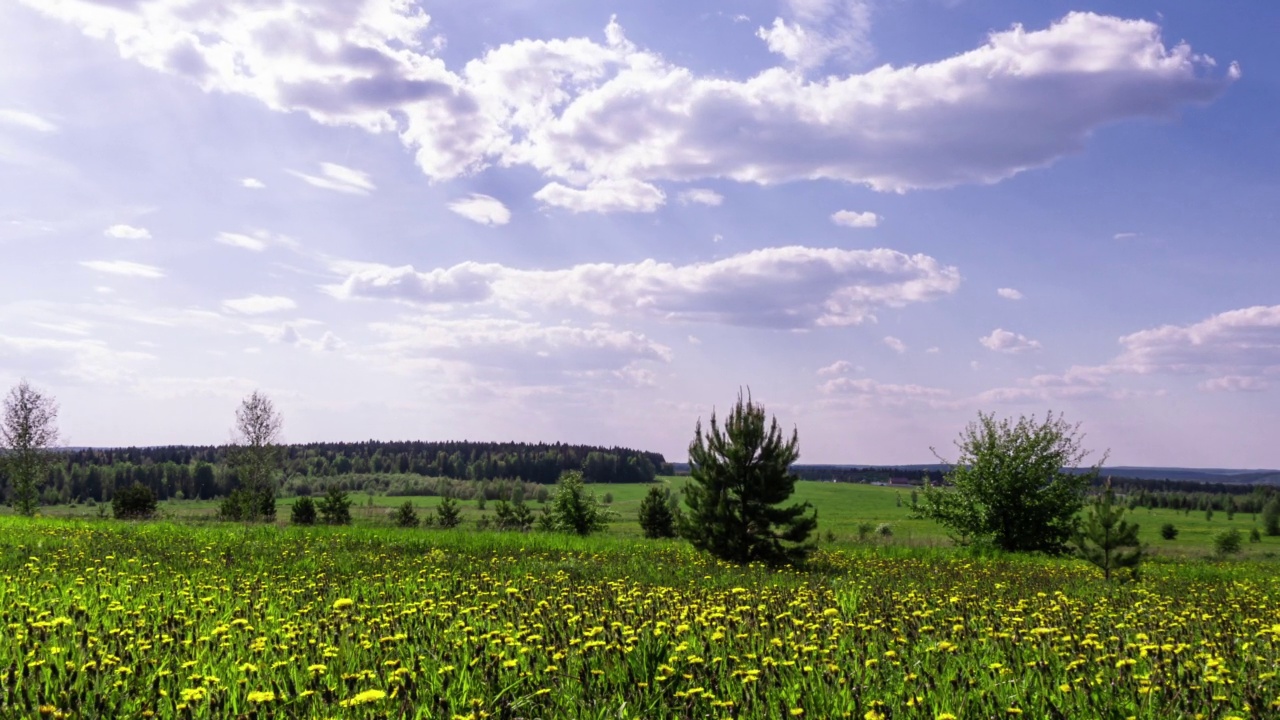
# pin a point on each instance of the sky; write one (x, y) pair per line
(597, 222)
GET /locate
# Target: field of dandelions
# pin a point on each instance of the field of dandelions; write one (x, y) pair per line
(106, 620)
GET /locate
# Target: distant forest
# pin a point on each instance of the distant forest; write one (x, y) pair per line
(185, 471)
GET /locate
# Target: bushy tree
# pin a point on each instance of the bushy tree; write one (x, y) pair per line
(335, 507)
(1168, 531)
(304, 512)
(1271, 516)
(1227, 542)
(739, 476)
(575, 508)
(28, 434)
(135, 502)
(1107, 539)
(657, 518)
(512, 516)
(405, 516)
(256, 458)
(1016, 485)
(447, 513)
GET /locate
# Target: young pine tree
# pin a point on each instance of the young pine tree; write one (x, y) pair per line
(739, 477)
(657, 519)
(1107, 539)
(575, 508)
(447, 513)
(405, 516)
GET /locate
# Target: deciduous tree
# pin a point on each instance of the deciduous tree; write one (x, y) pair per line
(27, 436)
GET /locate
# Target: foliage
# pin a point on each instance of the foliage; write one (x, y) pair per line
(27, 434)
(1108, 540)
(884, 530)
(304, 512)
(1227, 542)
(657, 518)
(135, 502)
(575, 508)
(1013, 484)
(1168, 531)
(255, 457)
(739, 476)
(405, 516)
(447, 513)
(335, 507)
(1254, 535)
(1271, 516)
(865, 529)
(513, 516)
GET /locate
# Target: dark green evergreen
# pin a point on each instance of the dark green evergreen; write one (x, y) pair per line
(447, 513)
(135, 502)
(304, 512)
(335, 507)
(405, 516)
(657, 519)
(1108, 540)
(739, 476)
(575, 508)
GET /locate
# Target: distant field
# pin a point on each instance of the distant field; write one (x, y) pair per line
(842, 507)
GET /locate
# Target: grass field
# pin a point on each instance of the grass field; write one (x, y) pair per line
(110, 619)
(842, 507)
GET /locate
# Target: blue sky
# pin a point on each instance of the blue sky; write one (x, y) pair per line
(594, 222)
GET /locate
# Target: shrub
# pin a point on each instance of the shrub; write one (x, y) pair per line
(513, 516)
(135, 502)
(447, 513)
(1168, 531)
(304, 512)
(607, 499)
(884, 530)
(657, 520)
(575, 508)
(245, 505)
(335, 507)
(1227, 542)
(405, 516)
(864, 530)
(1271, 516)
(1254, 535)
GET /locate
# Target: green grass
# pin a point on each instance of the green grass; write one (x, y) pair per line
(842, 507)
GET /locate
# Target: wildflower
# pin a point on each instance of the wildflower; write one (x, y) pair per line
(262, 696)
(367, 696)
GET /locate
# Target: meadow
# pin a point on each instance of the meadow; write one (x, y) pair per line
(181, 619)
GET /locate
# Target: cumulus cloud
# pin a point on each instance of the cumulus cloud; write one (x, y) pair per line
(820, 31)
(1005, 341)
(854, 219)
(26, 120)
(701, 196)
(482, 209)
(838, 367)
(127, 232)
(240, 240)
(604, 196)
(252, 183)
(604, 121)
(895, 344)
(259, 304)
(1009, 294)
(124, 267)
(785, 287)
(339, 179)
(1237, 342)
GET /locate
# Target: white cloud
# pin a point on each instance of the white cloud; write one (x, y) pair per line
(1125, 236)
(259, 304)
(26, 120)
(252, 183)
(1009, 294)
(1237, 342)
(693, 340)
(482, 209)
(701, 196)
(820, 31)
(838, 367)
(124, 267)
(81, 360)
(785, 287)
(895, 344)
(1235, 383)
(853, 219)
(339, 178)
(873, 388)
(242, 241)
(127, 232)
(1009, 342)
(604, 121)
(604, 196)
(933, 350)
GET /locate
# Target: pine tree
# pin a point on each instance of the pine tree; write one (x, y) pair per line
(1107, 539)
(447, 513)
(405, 516)
(575, 508)
(657, 519)
(739, 476)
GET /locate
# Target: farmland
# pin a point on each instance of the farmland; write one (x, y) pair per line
(183, 619)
